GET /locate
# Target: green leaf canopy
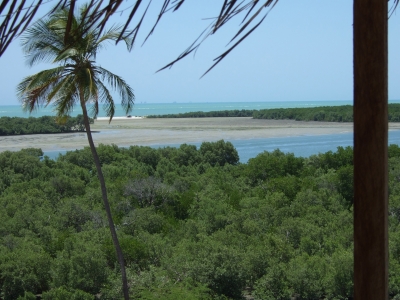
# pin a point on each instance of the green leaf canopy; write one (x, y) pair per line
(76, 74)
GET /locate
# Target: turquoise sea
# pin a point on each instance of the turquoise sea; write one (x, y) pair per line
(145, 109)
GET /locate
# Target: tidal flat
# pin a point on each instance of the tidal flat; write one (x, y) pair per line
(135, 131)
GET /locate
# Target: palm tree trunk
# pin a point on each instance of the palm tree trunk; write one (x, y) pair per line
(370, 149)
(105, 199)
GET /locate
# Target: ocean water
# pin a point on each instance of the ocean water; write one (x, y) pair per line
(145, 109)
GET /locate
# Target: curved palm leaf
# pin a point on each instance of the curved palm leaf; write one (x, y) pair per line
(118, 84)
(106, 99)
(33, 90)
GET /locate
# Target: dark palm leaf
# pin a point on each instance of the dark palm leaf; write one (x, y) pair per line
(106, 98)
(16, 16)
(118, 84)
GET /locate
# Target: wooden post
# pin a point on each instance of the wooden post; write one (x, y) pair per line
(370, 150)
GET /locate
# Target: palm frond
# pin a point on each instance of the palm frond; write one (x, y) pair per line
(164, 9)
(41, 43)
(46, 76)
(62, 87)
(66, 55)
(113, 34)
(105, 97)
(65, 96)
(35, 97)
(131, 15)
(15, 21)
(95, 110)
(229, 10)
(223, 55)
(92, 93)
(33, 90)
(118, 84)
(393, 7)
(39, 80)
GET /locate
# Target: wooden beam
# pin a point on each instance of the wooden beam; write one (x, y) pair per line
(370, 150)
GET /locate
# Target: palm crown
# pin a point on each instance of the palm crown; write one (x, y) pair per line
(76, 79)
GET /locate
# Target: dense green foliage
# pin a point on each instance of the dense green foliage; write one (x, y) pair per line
(45, 124)
(343, 113)
(193, 224)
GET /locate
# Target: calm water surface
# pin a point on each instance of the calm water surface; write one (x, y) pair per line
(300, 145)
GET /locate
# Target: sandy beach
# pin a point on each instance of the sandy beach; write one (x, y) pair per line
(143, 131)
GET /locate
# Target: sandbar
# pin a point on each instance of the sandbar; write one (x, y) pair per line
(126, 132)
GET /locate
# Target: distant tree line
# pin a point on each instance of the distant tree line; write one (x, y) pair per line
(209, 114)
(343, 113)
(45, 124)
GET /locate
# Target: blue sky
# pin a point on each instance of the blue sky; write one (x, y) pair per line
(302, 51)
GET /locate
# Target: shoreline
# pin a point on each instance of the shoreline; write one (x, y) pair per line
(118, 118)
(125, 132)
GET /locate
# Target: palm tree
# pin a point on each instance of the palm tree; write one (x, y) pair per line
(75, 80)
